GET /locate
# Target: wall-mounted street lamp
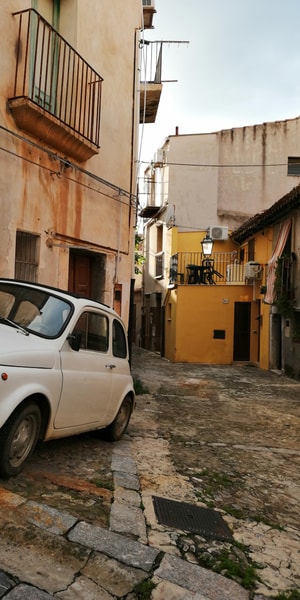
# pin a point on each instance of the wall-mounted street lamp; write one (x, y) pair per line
(207, 245)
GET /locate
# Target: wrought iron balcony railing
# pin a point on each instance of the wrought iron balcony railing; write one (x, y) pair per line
(188, 268)
(150, 84)
(52, 76)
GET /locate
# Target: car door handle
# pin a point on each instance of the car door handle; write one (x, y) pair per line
(110, 366)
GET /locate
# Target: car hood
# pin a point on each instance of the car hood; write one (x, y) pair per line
(20, 350)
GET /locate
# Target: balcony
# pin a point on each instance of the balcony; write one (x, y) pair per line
(151, 86)
(221, 268)
(148, 13)
(57, 95)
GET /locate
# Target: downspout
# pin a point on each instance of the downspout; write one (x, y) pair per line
(131, 210)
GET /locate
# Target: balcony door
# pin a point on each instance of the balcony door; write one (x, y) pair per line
(44, 54)
(49, 9)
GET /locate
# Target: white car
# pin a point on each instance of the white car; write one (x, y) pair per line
(64, 370)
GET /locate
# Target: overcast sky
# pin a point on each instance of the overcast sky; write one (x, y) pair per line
(241, 67)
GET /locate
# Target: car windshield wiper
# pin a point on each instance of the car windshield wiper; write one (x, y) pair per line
(13, 324)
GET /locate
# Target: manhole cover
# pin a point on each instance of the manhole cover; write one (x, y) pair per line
(181, 515)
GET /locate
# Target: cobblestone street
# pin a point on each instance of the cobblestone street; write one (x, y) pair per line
(79, 521)
(226, 437)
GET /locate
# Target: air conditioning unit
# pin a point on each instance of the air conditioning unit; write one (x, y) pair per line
(218, 233)
(253, 270)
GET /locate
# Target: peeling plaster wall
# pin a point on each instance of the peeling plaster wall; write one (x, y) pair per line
(225, 177)
(38, 194)
(258, 175)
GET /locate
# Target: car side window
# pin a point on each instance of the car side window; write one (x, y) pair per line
(94, 331)
(119, 340)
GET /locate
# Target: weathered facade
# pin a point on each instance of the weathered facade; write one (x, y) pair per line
(69, 117)
(276, 233)
(212, 183)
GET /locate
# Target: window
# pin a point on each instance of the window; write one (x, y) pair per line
(159, 257)
(294, 165)
(26, 261)
(119, 340)
(93, 328)
(251, 249)
(159, 265)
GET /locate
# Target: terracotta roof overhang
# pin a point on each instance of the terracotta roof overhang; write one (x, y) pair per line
(275, 213)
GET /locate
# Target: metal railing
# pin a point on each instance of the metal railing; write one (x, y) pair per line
(152, 62)
(55, 77)
(220, 268)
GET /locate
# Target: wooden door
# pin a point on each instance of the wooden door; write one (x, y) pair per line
(242, 325)
(80, 275)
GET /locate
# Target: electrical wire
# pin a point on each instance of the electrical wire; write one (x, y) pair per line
(121, 192)
(219, 166)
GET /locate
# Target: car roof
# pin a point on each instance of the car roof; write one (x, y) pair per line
(81, 300)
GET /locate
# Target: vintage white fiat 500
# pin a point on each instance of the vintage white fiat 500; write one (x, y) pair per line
(64, 370)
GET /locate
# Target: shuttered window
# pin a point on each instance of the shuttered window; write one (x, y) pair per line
(26, 261)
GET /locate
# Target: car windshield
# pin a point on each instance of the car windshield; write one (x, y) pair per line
(36, 311)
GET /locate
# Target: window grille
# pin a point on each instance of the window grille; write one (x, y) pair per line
(26, 260)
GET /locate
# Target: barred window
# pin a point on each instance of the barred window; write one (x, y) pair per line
(26, 261)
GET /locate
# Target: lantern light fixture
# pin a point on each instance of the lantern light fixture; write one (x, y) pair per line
(207, 245)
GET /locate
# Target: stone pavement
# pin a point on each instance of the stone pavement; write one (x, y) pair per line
(46, 552)
(103, 564)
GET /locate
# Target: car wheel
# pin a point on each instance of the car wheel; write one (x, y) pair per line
(115, 430)
(18, 438)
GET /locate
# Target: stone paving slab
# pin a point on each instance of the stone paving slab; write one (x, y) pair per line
(6, 583)
(196, 579)
(26, 592)
(124, 464)
(128, 520)
(127, 481)
(48, 518)
(84, 589)
(41, 559)
(166, 590)
(114, 545)
(116, 578)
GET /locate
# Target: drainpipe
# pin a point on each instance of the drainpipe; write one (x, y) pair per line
(132, 185)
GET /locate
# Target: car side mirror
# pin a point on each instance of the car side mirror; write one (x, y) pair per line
(74, 340)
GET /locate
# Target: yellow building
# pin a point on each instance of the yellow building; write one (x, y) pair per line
(215, 183)
(275, 234)
(213, 303)
(242, 303)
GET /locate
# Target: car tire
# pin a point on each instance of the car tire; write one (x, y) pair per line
(117, 428)
(18, 438)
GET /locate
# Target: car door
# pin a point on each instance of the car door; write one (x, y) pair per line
(120, 366)
(87, 376)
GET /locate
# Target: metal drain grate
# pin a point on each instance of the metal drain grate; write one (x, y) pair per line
(181, 515)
